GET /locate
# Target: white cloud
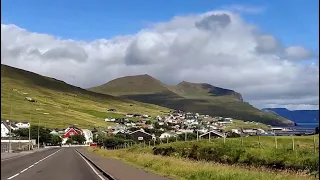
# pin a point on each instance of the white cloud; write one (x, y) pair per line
(216, 47)
(298, 53)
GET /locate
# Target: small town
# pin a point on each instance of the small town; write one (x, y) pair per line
(176, 126)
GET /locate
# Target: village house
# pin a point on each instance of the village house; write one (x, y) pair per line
(121, 131)
(109, 119)
(212, 134)
(180, 131)
(23, 125)
(129, 115)
(228, 119)
(235, 131)
(88, 135)
(73, 130)
(167, 135)
(6, 126)
(141, 135)
(145, 116)
(5, 129)
(203, 130)
(70, 131)
(54, 132)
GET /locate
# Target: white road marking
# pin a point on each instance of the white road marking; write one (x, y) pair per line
(32, 165)
(14, 176)
(24, 170)
(91, 167)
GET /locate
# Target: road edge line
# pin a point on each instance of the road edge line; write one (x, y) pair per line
(91, 166)
(96, 166)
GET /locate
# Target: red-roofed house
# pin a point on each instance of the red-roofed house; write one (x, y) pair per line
(70, 131)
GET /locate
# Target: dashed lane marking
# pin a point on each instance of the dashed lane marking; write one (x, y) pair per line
(11, 177)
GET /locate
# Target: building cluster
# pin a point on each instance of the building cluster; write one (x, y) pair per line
(176, 123)
(8, 127)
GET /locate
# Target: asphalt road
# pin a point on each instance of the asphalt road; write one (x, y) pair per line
(52, 164)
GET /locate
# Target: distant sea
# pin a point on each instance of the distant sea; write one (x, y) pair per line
(307, 125)
(303, 128)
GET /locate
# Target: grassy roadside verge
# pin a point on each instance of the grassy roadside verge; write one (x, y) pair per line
(180, 168)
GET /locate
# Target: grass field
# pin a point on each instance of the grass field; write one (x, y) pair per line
(193, 97)
(182, 168)
(267, 142)
(300, 154)
(66, 104)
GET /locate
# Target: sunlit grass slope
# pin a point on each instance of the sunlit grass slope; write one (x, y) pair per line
(66, 104)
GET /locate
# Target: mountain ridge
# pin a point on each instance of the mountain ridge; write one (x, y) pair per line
(203, 98)
(140, 80)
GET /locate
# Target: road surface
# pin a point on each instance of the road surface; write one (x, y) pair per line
(52, 164)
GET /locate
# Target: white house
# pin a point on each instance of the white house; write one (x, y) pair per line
(180, 131)
(54, 132)
(250, 131)
(203, 130)
(228, 119)
(109, 119)
(21, 125)
(88, 135)
(166, 135)
(129, 115)
(6, 126)
(4, 129)
(235, 131)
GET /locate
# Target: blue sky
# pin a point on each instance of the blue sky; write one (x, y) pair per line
(291, 21)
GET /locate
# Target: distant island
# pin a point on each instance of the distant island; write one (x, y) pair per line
(299, 117)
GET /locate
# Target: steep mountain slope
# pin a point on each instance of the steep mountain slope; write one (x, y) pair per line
(195, 97)
(298, 116)
(141, 84)
(66, 104)
(198, 90)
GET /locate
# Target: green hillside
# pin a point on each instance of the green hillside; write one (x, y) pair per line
(195, 97)
(203, 90)
(66, 104)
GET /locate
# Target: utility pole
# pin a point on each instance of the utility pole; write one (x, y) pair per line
(197, 135)
(38, 134)
(10, 127)
(30, 132)
(185, 136)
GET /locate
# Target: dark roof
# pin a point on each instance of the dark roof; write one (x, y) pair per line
(13, 125)
(140, 131)
(6, 125)
(214, 132)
